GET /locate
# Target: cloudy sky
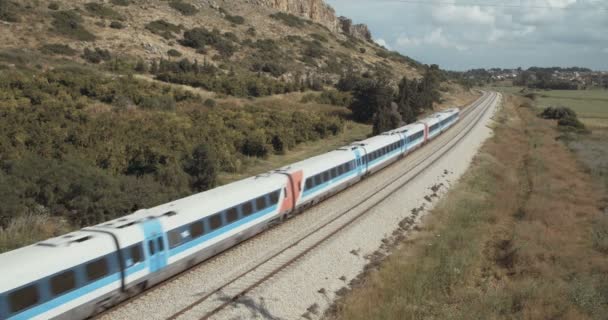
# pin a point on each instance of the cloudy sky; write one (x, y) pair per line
(465, 34)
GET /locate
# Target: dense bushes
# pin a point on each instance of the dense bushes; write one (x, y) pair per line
(123, 3)
(183, 8)
(57, 48)
(9, 11)
(62, 154)
(69, 24)
(163, 28)
(116, 25)
(289, 19)
(199, 38)
(101, 11)
(210, 78)
(235, 19)
(566, 118)
(97, 55)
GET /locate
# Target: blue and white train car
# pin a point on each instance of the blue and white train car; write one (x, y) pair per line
(381, 151)
(449, 117)
(413, 135)
(69, 277)
(324, 175)
(202, 225)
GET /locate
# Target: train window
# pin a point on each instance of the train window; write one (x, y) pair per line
(326, 176)
(309, 183)
(334, 173)
(232, 215)
(341, 170)
(23, 298)
(161, 244)
(247, 208)
(63, 282)
(215, 222)
(136, 255)
(151, 247)
(197, 229)
(175, 238)
(318, 180)
(98, 269)
(274, 197)
(260, 203)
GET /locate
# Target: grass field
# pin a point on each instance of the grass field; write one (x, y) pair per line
(590, 105)
(520, 237)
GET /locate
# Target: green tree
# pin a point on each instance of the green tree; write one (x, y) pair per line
(202, 166)
(369, 97)
(387, 118)
(405, 100)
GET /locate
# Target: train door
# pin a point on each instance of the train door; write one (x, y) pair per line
(359, 161)
(155, 244)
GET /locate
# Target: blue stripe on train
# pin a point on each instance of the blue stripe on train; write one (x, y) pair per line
(192, 243)
(75, 294)
(310, 191)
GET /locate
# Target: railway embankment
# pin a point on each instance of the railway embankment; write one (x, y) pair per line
(521, 235)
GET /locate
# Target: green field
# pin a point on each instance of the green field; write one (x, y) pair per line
(590, 105)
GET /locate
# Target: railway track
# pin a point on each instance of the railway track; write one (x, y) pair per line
(304, 242)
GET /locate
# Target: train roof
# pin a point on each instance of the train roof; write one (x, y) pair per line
(45, 258)
(209, 202)
(323, 161)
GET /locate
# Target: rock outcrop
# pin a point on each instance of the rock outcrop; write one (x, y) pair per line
(320, 12)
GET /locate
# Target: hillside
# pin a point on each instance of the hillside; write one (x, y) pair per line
(287, 40)
(107, 107)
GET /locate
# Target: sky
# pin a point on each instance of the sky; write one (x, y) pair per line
(467, 34)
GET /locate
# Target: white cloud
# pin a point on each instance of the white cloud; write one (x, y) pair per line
(434, 38)
(383, 43)
(463, 15)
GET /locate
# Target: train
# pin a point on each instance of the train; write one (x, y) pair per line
(80, 274)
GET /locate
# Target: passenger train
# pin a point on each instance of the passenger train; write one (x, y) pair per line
(77, 275)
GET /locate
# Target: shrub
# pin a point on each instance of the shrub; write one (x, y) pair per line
(69, 24)
(210, 103)
(318, 37)
(174, 53)
(57, 48)
(163, 28)
(251, 32)
(198, 38)
(9, 11)
(289, 19)
(235, 19)
(271, 67)
(362, 50)
(123, 3)
(558, 113)
(96, 56)
(183, 8)
(53, 6)
(116, 25)
(101, 11)
(314, 49)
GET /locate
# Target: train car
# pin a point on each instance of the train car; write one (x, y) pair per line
(325, 175)
(66, 277)
(413, 135)
(197, 227)
(381, 151)
(450, 116)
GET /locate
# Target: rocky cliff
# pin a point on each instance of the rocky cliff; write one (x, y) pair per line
(320, 12)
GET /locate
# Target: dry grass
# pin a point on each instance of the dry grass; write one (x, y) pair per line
(516, 239)
(24, 230)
